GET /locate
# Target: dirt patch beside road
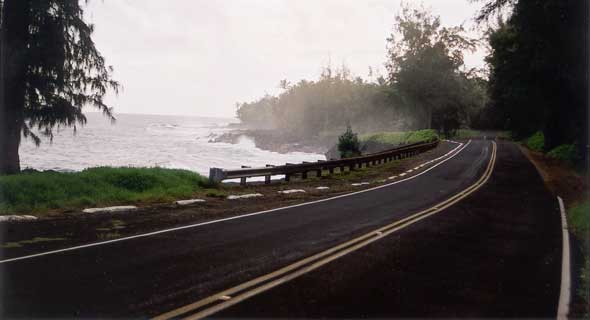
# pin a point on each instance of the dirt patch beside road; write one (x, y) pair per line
(560, 178)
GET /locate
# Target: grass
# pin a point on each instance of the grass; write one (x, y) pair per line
(397, 137)
(578, 217)
(36, 192)
(469, 133)
(19, 244)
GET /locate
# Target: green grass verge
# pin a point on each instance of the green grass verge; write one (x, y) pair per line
(36, 192)
(397, 137)
(578, 217)
(469, 133)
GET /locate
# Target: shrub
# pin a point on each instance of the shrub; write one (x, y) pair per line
(348, 144)
(536, 142)
(421, 135)
(565, 152)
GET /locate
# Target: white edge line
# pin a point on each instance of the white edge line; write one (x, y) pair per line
(564, 292)
(461, 146)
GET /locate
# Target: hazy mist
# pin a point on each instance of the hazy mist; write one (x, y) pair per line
(201, 57)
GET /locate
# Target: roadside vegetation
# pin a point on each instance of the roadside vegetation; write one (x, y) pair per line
(536, 142)
(37, 192)
(565, 178)
(578, 217)
(568, 153)
(348, 144)
(470, 133)
(401, 137)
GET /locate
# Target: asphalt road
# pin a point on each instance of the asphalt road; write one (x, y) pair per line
(150, 275)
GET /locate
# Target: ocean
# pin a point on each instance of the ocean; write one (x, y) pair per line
(147, 141)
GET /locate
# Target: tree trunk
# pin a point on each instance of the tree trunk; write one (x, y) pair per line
(13, 44)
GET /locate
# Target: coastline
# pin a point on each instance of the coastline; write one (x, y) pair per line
(276, 141)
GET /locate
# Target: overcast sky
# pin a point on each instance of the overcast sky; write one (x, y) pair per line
(200, 57)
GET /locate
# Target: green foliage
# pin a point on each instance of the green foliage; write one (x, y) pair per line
(425, 66)
(40, 191)
(63, 69)
(348, 144)
(536, 142)
(309, 109)
(396, 138)
(469, 133)
(538, 78)
(565, 152)
(578, 219)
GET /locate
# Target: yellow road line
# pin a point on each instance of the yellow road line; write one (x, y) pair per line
(294, 270)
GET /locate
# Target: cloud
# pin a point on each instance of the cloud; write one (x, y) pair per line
(200, 57)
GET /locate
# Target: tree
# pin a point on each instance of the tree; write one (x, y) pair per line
(348, 144)
(49, 70)
(424, 61)
(538, 69)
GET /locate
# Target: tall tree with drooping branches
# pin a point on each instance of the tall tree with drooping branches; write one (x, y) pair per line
(50, 69)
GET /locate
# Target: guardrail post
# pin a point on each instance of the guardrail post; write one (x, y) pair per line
(331, 170)
(319, 173)
(267, 178)
(216, 175)
(341, 169)
(243, 179)
(304, 175)
(287, 177)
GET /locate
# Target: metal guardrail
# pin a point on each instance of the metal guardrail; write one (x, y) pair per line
(289, 169)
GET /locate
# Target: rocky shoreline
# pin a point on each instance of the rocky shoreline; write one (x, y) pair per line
(277, 141)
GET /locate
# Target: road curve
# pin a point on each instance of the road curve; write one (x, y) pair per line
(150, 275)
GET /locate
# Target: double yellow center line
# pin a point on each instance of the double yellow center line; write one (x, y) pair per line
(231, 296)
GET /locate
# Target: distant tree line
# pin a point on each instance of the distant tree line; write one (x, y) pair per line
(325, 106)
(427, 86)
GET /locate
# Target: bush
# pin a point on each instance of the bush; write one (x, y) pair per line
(421, 135)
(564, 152)
(39, 191)
(348, 144)
(536, 142)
